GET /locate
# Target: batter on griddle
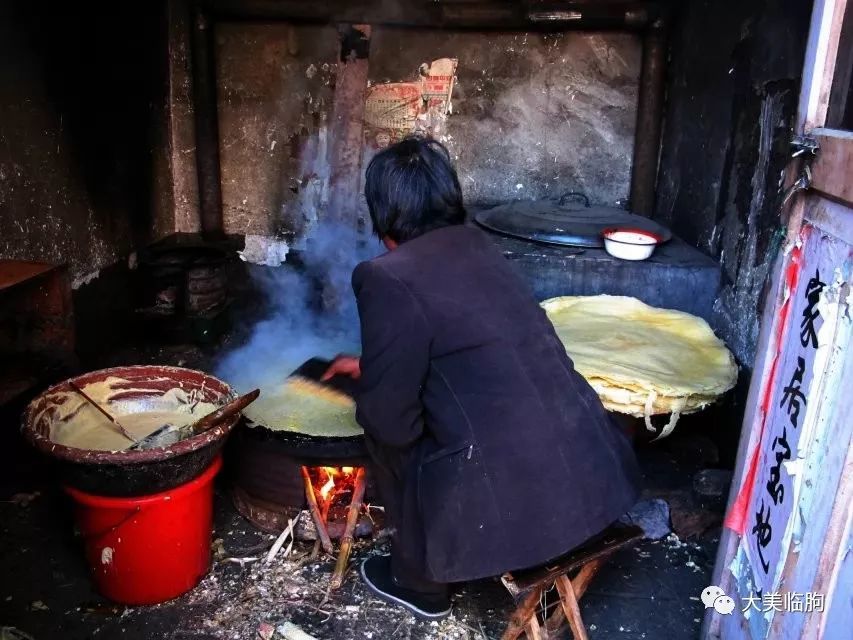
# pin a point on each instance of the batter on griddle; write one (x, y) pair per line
(289, 407)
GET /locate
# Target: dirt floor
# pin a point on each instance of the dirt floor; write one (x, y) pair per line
(648, 591)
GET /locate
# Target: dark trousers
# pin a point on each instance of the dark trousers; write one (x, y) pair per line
(393, 473)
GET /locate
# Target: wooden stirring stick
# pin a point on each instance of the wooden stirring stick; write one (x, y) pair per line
(115, 422)
(167, 435)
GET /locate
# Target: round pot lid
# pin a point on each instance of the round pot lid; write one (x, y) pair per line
(550, 222)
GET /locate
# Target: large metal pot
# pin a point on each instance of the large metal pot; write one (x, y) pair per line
(139, 472)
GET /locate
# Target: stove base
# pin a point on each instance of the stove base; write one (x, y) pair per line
(274, 518)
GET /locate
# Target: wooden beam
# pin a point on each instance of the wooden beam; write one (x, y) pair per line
(571, 608)
(206, 126)
(534, 630)
(831, 217)
(449, 14)
(347, 125)
(833, 167)
(580, 583)
(836, 546)
(749, 438)
(819, 66)
(647, 137)
(521, 616)
(601, 547)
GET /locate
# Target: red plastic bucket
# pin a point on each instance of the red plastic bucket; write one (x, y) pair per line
(148, 549)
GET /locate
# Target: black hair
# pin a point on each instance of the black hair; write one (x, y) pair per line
(411, 188)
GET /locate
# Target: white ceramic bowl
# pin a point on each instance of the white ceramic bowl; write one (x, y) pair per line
(630, 244)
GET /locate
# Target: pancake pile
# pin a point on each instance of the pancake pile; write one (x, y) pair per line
(642, 360)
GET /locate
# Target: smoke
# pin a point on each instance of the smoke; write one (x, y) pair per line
(311, 310)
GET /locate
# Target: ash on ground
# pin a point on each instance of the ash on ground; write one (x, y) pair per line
(244, 597)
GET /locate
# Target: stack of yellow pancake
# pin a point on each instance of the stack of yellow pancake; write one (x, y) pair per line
(642, 360)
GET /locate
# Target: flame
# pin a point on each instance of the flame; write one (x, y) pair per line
(331, 474)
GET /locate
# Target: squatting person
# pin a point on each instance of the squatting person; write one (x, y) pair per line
(491, 453)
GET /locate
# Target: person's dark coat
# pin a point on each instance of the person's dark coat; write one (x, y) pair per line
(513, 459)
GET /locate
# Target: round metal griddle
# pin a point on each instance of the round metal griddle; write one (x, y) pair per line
(301, 445)
(298, 445)
(571, 224)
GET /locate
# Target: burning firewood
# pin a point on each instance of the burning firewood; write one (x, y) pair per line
(316, 515)
(347, 539)
(333, 482)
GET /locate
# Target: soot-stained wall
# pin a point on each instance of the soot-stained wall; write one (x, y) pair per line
(80, 96)
(275, 86)
(534, 115)
(734, 80)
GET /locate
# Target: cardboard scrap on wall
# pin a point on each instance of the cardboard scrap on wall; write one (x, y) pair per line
(395, 110)
(437, 84)
(391, 111)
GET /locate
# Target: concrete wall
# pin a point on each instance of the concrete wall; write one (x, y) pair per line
(533, 115)
(275, 94)
(80, 99)
(84, 153)
(732, 94)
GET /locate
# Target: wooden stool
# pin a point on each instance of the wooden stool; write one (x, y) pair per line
(527, 586)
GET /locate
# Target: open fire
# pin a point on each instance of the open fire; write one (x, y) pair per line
(332, 481)
(322, 486)
(330, 492)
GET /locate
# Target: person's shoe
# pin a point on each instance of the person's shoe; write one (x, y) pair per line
(376, 573)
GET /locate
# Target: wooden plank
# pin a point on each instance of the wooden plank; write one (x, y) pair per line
(749, 437)
(15, 272)
(817, 81)
(830, 217)
(819, 67)
(833, 166)
(534, 630)
(840, 96)
(808, 564)
(806, 570)
(835, 548)
(580, 583)
(839, 618)
(795, 210)
(520, 617)
(598, 547)
(570, 606)
(463, 14)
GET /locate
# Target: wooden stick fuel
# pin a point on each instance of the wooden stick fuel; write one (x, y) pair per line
(322, 532)
(347, 539)
(114, 422)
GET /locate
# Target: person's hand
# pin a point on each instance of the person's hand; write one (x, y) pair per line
(343, 366)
